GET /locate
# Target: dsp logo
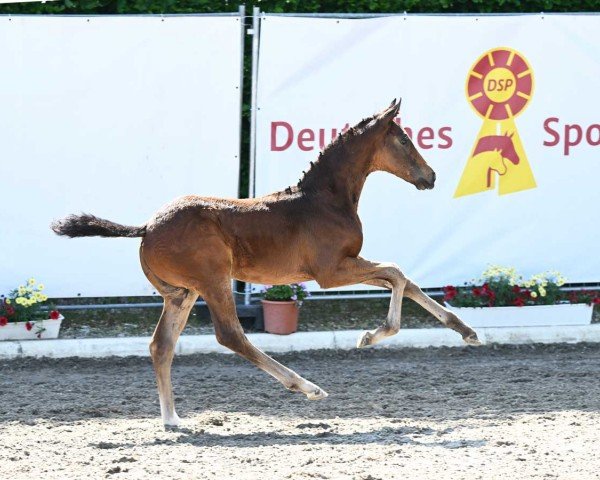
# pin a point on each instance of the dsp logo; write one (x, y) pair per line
(499, 87)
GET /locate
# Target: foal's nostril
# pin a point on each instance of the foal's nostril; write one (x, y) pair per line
(432, 178)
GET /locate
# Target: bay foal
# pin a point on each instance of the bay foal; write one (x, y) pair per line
(196, 245)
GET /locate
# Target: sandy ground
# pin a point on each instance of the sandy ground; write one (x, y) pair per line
(476, 413)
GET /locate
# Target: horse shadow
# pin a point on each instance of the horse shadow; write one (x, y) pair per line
(317, 434)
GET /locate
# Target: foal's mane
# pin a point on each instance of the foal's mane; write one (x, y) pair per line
(331, 156)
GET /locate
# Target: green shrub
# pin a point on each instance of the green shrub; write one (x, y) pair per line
(286, 293)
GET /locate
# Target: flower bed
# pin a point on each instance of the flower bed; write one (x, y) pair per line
(498, 297)
(502, 287)
(24, 314)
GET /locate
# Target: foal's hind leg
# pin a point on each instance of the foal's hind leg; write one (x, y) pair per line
(229, 332)
(175, 313)
(178, 303)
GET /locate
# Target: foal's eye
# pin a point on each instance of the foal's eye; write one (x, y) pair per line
(403, 138)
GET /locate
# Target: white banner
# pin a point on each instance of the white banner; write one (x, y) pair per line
(113, 116)
(504, 108)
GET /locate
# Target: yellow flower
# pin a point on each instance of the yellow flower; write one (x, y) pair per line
(44, 298)
(542, 291)
(8, 301)
(31, 281)
(22, 291)
(19, 300)
(40, 286)
(533, 294)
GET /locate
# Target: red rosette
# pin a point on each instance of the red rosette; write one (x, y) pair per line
(509, 66)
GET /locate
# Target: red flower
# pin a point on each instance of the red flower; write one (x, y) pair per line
(54, 314)
(29, 326)
(595, 301)
(573, 298)
(516, 289)
(477, 291)
(449, 292)
(3, 321)
(10, 310)
(518, 302)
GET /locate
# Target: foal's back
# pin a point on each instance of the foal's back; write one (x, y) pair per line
(241, 238)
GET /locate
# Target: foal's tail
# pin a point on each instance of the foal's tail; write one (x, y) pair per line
(86, 225)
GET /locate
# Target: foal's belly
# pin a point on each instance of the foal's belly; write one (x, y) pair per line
(271, 278)
(270, 266)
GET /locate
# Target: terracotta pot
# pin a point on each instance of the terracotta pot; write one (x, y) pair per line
(280, 317)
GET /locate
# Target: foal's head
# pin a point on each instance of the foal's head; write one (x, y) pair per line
(395, 152)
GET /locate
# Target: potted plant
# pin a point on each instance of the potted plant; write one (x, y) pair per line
(503, 298)
(281, 304)
(24, 314)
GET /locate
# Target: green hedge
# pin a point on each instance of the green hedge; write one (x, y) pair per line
(281, 6)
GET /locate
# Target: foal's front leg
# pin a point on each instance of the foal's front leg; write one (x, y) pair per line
(448, 318)
(388, 275)
(444, 315)
(358, 270)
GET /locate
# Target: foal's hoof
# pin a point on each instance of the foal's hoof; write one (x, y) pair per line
(172, 423)
(364, 340)
(317, 394)
(472, 339)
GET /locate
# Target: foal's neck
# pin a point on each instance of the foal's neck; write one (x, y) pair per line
(340, 173)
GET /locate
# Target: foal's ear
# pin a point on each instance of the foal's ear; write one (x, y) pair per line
(390, 112)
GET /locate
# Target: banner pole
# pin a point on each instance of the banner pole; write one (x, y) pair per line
(255, 32)
(242, 19)
(253, 107)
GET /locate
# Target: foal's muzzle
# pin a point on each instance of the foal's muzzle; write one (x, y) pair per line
(426, 184)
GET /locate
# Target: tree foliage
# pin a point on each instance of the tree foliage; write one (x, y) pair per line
(300, 6)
